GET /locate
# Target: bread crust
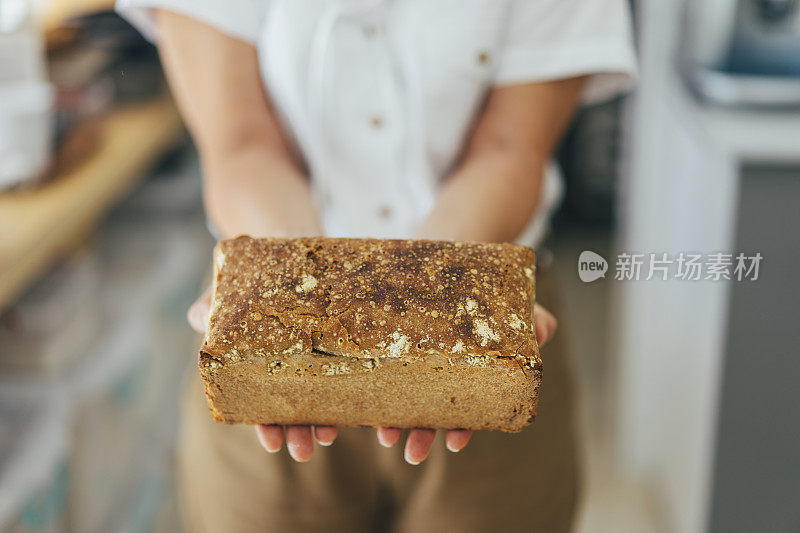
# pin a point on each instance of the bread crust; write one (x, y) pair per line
(432, 333)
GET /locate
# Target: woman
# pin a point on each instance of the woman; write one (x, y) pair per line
(395, 118)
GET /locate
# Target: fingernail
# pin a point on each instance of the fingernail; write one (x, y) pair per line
(385, 444)
(293, 454)
(449, 447)
(324, 443)
(410, 461)
(271, 450)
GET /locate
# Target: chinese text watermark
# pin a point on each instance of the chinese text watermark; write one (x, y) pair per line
(684, 266)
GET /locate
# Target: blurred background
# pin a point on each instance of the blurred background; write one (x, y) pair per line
(690, 416)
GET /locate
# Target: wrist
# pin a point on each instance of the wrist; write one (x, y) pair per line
(260, 196)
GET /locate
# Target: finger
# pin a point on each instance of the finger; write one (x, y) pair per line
(198, 312)
(418, 445)
(270, 437)
(546, 324)
(388, 437)
(325, 435)
(299, 443)
(456, 439)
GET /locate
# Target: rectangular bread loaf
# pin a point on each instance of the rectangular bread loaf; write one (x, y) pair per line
(367, 332)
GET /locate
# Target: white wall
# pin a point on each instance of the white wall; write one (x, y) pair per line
(678, 194)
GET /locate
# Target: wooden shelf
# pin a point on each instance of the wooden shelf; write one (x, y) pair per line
(39, 225)
(55, 12)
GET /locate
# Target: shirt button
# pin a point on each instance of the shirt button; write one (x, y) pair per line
(484, 57)
(385, 212)
(376, 121)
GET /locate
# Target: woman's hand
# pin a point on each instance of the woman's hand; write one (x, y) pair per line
(300, 439)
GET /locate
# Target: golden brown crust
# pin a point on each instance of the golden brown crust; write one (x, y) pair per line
(469, 304)
(372, 297)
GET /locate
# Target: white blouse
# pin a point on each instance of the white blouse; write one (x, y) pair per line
(379, 95)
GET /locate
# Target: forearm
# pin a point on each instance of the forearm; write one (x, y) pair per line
(252, 184)
(253, 191)
(491, 197)
(496, 189)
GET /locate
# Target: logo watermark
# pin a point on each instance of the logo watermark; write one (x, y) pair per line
(591, 266)
(684, 266)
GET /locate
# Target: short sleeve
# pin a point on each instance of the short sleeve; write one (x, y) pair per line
(553, 39)
(241, 19)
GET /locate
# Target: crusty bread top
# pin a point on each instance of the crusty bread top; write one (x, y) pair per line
(372, 298)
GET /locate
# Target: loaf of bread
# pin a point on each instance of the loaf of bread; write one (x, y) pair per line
(367, 332)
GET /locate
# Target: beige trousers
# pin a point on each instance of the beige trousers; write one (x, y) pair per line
(499, 483)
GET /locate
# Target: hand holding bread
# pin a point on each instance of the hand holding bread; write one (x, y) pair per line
(476, 324)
